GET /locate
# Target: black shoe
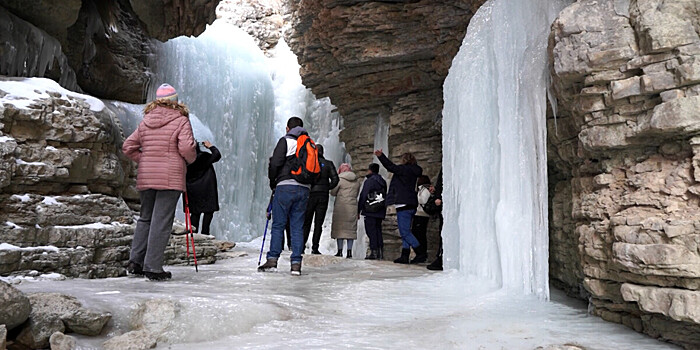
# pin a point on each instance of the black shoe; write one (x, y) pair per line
(158, 276)
(436, 265)
(419, 259)
(380, 253)
(403, 259)
(134, 269)
(315, 251)
(372, 255)
(340, 253)
(349, 254)
(270, 264)
(296, 269)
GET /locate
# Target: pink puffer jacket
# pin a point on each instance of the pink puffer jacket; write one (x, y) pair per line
(161, 145)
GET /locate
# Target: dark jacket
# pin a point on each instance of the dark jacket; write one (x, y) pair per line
(402, 189)
(374, 182)
(280, 168)
(201, 183)
(329, 177)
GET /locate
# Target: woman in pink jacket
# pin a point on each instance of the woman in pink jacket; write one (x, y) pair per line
(162, 146)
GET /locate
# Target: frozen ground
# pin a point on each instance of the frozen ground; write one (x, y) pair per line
(354, 304)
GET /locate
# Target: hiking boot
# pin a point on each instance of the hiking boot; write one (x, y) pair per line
(296, 269)
(134, 269)
(158, 276)
(349, 254)
(403, 259)
(419, 258)
(270, 264)
(315, 251)
(340, 252)
(436, 265)
(380, 253)
(372, 255)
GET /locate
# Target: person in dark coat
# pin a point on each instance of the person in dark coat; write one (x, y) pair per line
(318, 200)
(437, 191)
(373, 220)
(202, 192)
(402, 194)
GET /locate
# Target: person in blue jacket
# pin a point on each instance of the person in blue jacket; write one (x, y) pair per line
(374, 183)
(402, 194)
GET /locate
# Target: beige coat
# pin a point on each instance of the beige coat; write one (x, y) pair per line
(345, 209)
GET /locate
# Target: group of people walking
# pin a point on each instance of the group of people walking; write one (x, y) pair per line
(172, 163)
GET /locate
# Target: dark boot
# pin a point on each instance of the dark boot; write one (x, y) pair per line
(372, 255)
(340, 252)
(315, 251)
(134, 269)
(158, 276)
(296, 269)
(436, 265)
(349, 254)
(268, 265)
(403, 259)
(380, 253)
(420, 257)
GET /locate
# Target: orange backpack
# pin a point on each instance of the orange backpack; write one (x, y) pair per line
(305, 167)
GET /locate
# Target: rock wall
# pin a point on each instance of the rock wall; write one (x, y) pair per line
(107, 43)
(262, 19)
(378, 59)
(624, 153)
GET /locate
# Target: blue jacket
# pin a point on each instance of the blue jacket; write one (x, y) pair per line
(374, 182)
(402, 189)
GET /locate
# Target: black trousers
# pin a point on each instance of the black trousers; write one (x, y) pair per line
(373, 228)
(316, 212)
(205, 224)
(419, 228)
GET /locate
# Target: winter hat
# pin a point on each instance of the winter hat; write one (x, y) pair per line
(166, 92)
(344, 167)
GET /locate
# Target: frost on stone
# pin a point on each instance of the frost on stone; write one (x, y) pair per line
(24, 93)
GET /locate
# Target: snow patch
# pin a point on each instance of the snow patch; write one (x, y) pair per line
(108, 292)
(96, 225)
(51, 201)
(6, 138)
(12, 224)
(23, 198)
(7, 246)
(22, 162)
(22, 93)
(51, 148)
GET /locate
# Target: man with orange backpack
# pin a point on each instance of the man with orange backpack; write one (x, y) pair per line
(294, 167)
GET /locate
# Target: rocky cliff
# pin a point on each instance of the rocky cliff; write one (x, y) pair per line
(106, 43)
(382, 62)
(624, 157)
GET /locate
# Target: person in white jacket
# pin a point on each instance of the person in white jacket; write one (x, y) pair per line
(420, 221)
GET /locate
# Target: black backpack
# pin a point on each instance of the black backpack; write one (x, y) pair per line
(376, 202)
(430, 207)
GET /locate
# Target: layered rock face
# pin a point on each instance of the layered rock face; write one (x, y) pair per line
(382, 62)
(624, 153)
(107, 43)
(261, 19)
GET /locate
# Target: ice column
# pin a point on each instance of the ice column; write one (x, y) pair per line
(494, 142)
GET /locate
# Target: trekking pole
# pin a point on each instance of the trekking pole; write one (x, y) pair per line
(268, 215)
(188, 222)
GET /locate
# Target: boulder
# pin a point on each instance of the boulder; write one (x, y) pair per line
(14, 306)
(60, 341)
(315, 260)
(155, 316)
(53, 312)
(134, 340)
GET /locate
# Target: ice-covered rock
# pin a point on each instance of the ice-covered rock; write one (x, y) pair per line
(134, 340)
(14, 306)
(155, 316)
(60, 341)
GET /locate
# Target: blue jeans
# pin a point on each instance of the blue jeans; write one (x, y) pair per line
(404, 218)
(289, 203)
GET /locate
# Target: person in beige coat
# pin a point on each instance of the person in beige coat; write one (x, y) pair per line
(345, 209)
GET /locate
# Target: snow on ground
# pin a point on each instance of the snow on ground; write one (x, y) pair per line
(22, 92)
(355, 304)
(5, 139)
(48, 200)
(23, 198)
(22, 162)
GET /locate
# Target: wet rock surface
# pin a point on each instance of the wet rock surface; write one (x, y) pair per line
(623, 162)
(262, 19)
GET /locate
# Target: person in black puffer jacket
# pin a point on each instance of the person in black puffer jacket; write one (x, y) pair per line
(373, 219)
(202, 193)
(402, 194)
(318, 200)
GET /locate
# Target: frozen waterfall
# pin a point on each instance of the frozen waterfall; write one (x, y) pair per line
(494, 142)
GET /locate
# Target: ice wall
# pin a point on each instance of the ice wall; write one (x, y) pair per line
(224, 79)
(494, 144)
(244, 100)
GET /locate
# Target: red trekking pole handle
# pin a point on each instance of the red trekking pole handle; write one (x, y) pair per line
(188, 223)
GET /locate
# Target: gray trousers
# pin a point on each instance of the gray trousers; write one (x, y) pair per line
(153, 228)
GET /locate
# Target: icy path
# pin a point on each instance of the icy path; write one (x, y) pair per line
(353, 304)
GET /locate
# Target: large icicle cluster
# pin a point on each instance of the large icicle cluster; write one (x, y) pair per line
(494, 147)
